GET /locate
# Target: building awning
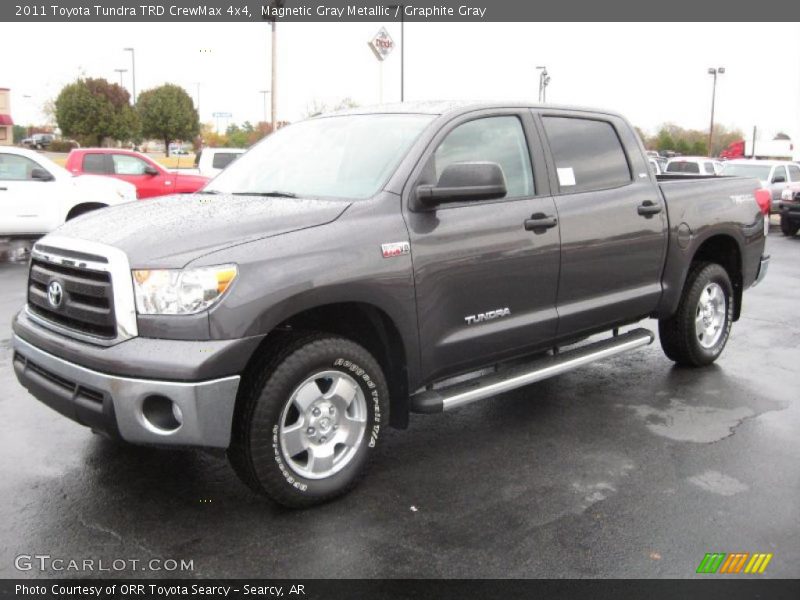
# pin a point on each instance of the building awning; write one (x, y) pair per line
(6, 120)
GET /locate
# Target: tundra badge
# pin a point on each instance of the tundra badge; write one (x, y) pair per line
(487, 316)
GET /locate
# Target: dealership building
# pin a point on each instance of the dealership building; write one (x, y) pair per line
(6, 124)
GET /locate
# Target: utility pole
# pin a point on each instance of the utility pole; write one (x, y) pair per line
(274, 77)
(197, 83)
(714, 72)
(133, 71)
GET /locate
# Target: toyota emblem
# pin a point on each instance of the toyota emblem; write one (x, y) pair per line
(55, 294)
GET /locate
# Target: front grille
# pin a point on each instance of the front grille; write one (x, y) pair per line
(87, 303)
(76, 391)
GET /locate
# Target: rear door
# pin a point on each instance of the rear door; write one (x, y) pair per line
(613, 221)
(485, 285)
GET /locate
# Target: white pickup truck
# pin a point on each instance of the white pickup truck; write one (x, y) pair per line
(210, 161)
(37, 195)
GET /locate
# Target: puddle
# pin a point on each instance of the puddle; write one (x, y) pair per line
(685, 423)
(718, 483)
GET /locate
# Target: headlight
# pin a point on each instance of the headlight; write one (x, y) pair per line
(180, 292)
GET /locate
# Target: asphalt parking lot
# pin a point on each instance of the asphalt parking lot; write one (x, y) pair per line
(626, 468)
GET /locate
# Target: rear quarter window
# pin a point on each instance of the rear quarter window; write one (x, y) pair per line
(223, 159)
(94, 163)
(588, 154)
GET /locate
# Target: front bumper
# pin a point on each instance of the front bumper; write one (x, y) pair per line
(125, 406)
(762, 270)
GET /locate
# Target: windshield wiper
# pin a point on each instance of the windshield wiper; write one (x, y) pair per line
(271, 194)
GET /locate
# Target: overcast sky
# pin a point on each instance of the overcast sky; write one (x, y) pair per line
(650, 72)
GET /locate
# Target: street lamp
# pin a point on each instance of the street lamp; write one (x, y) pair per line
(133, 70)
(264, 95)
(714, 72)
(544, 80)
(121, 71)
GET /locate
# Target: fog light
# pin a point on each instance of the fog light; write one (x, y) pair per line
(162, 414)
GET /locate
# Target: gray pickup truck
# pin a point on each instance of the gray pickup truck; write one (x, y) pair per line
(353, 268)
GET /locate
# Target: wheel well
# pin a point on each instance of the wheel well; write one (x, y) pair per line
(367, 325)
(83, 208)
(723, 250)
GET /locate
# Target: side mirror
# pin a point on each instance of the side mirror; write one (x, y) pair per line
(464, 182)
(40, 174)
(150, 170)
(779, 179)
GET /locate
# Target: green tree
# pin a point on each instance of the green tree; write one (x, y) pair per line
(664, 141)
(682, 147)
(699, 148)
(94, 109)
(167, 113)
(20, 133)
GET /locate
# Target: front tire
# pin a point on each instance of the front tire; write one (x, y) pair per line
(788, 228)
(309, 420)
(698, 331)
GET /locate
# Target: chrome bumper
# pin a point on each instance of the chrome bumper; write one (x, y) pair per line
(762, 270)
(118, 404)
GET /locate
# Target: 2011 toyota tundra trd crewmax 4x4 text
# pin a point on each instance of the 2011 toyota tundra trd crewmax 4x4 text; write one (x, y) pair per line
(356, 267)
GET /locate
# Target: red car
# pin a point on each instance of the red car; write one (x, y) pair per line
(149, 177)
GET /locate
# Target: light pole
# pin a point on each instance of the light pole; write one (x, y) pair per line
(714, 72)
(121, 71)
(264, 96)
(544, 80)
(133, 71)
(401, 9)
(197, 83)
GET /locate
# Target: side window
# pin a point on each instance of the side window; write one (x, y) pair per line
(587, 153)
(16, 168)
(778, 173)
(494, 139)
(709, 167)
(794, 173)
(223, 159)
(94, 163)
(128, 165)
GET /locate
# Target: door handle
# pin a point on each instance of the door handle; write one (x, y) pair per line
(540, 222)
(648, 208)
(3, 189)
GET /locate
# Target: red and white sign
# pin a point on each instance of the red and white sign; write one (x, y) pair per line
(382, 44)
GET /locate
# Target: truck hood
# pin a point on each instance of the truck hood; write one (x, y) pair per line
(171, 231)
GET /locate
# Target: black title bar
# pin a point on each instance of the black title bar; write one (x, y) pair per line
(411, 10)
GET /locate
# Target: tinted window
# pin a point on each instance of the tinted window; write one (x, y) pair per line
(588, 154)
(223, 159)
(683, 167)
(94, 163)
(794, 172)
(128, 165)
(709, 168)
(779, 172)
(15, 168)
(494, 139)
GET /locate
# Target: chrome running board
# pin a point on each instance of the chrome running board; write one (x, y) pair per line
(439, 400)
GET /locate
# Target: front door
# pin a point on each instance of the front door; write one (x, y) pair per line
(485, 285)
(24, 201)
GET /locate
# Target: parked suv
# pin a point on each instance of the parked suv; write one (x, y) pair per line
(355, 267)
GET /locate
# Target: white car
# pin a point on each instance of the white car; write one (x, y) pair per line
(37, 195)
(210, 161)
(654, 166)
(780, 177)
(693, 165)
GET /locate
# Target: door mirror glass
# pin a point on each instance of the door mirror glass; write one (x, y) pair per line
(150, 170)
(464, 182)
(779, 179)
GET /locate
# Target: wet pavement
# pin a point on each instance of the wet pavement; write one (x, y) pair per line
(629, 467)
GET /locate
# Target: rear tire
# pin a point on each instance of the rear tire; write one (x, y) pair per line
(788, 228)
(308, 420)
(698, 331)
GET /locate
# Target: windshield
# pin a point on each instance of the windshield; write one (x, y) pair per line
(344, 157)
(742, 170)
